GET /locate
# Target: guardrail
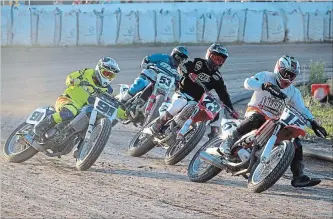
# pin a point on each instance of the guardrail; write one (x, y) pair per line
(68, 25)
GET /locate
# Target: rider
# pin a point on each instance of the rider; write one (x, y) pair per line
(208, 73)
(177, 56)
(263, 106)
(77, 95)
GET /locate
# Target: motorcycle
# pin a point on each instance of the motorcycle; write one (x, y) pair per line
(181, 134)
(89, 130)
(142, 112)
(261, 156)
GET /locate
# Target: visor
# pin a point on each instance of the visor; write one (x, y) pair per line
(217, 60)
(286, 74)
(108, 74)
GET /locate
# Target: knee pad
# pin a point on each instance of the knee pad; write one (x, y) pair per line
(139, 84)
(68, 112)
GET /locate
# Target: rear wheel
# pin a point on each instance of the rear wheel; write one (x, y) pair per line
(141, 142)
(16, 141)
(263, 176)
(200, 171)
(181, 149)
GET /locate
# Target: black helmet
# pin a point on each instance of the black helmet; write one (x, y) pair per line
(216, 55)
(180, 54)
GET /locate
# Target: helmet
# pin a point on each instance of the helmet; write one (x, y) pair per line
(216, 55)
(106, 70)
(180, 54)
(286, 68)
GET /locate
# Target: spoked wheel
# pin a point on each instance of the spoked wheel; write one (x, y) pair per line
(182, 148)
(17, 149)
(200, 171)
(265, 175)
(141, 142)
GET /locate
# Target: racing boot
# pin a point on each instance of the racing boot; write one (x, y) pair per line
(156, 128)
(297, 166)
(228, 142)
(44, 125)
(214, 131)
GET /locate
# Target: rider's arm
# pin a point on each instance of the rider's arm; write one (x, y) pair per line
(222, 91)
(297, 101)
(146, 62)
(73, 78)
(185, 68)
(255, 82)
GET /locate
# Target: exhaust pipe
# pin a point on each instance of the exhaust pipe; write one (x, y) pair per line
(211, 160)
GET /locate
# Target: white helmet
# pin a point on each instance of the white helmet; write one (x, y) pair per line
(286, 68)
(106, 70)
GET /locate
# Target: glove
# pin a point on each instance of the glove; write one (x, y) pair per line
(75, 81)
(235, 115)
(274, 90)
(318, 130)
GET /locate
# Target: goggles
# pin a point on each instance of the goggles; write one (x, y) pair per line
(108, 74)
(217, 60)
(286, 74)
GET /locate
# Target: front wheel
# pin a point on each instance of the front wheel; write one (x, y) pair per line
(263, 176)
(91, 150)
(25, 150)
(141, 142)
(181, 149)
(200, 171)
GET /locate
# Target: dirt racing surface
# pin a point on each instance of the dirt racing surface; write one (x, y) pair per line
(120, 186)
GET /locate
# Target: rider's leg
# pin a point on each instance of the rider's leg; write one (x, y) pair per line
(65, 110)
(297, 166)
(215, 126)
(250, 123)
(138, 85)
(177, 104)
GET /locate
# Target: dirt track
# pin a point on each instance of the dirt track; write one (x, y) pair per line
(120, 186)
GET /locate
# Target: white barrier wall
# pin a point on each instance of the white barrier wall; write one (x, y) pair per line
(68, 25)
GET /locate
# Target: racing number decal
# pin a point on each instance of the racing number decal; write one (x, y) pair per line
(211, 104)
(165, 80)
(290, 117)
(36, 116)
(105, 108)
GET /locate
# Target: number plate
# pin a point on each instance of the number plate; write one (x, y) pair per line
(105, 108)
(164, 81)
(37, 116)
(288, 117)
(211, 104)
(167, 67)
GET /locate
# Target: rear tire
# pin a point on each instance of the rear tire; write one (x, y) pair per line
(172, 158)
(88, 160)
(154, 110)
(278, 171)
(145, 146)
(209, 172)
(20, 157)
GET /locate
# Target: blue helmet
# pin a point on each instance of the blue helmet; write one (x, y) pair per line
(179, 54)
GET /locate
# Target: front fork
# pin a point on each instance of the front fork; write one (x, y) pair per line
(264, 158)
(91, 125)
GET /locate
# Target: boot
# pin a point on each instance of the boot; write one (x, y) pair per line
(226, 145)
(126, 97)
(297, 166)
(156, 128)
(214, 131)
(44, 125)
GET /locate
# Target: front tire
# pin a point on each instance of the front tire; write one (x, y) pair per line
(96, 145)
(206, 173)
(280, 165)
(174, 154)
(25, 154)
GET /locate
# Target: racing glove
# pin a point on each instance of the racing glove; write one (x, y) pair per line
(235, 115)
(318, 130)
(75, 81)
(273, 89)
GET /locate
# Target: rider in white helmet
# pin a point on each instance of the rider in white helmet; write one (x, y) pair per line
(263, 106)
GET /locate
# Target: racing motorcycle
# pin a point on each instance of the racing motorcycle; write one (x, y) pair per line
(182, 133)
(140, 112)
(89, 130)
(261, 156)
